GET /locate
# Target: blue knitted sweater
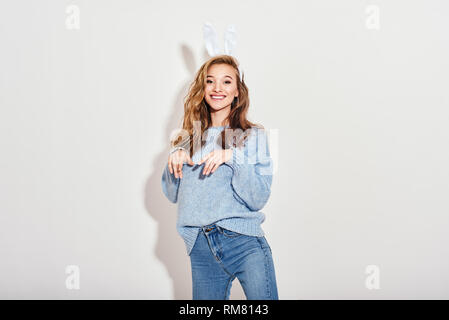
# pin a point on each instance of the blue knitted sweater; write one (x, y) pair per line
(231, 197)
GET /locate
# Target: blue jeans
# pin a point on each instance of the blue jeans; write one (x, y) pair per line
(219, 255)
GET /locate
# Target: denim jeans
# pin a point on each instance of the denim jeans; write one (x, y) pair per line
(220, 255)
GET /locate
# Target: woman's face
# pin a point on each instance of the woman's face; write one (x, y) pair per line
(221, 86)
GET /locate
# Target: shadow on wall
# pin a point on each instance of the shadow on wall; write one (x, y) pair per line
(170, 248)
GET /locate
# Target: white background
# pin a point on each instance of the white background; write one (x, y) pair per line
(361, 114)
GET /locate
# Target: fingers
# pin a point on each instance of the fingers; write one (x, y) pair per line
(214, 167)
(179, 168)
(205, 158)
(177, 159)
(181, 157)
(175, 169)
(170, 167)
(213, 161)
(175, 164)
(210, 166)
(189, 161)
(206, 168)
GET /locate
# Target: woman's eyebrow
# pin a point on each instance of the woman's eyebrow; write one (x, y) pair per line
(213, 76)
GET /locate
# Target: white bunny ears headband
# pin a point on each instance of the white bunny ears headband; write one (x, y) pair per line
(211, 41)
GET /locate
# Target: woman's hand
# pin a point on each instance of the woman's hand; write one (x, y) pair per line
(176, 161)
(215, 159)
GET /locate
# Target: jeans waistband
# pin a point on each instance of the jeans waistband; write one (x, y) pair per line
(210, 227)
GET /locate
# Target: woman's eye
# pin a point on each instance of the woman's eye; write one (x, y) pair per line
(210, 81)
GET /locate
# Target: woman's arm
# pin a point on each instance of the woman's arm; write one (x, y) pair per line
(252, 171)
(170, 184)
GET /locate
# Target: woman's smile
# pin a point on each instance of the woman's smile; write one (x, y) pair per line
(218, 97)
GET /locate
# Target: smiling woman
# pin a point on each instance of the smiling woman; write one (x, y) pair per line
(219, 204)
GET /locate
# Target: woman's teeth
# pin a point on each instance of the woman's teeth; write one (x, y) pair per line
(218, 97)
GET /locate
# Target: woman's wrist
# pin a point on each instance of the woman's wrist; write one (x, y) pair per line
(174, 149)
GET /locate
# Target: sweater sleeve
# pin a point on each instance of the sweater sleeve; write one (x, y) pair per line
(252, 171)
(170, 184)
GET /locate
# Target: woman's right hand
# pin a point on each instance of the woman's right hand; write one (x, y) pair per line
(176, 161)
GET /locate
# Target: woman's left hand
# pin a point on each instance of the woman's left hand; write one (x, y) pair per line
(215, 159)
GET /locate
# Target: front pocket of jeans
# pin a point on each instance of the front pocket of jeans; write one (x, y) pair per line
(229, 233)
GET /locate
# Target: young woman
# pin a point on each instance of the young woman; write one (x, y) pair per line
(222, 187)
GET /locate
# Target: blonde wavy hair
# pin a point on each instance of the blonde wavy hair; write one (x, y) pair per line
(196, 109)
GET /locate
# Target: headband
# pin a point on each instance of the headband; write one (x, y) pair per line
(211, 41)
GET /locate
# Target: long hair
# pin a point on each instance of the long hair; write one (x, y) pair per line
(197, 110)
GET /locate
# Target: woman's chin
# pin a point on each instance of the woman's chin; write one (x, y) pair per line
(216, 107)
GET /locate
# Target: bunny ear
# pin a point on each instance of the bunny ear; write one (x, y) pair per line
(210, 39)
(230, 39)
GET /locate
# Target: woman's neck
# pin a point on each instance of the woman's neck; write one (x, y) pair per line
(219, 118)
